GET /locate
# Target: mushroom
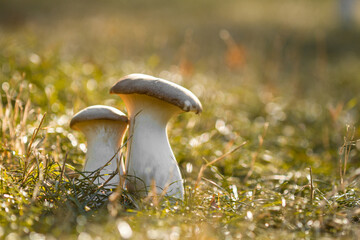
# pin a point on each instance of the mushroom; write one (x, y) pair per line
(150, 103)
(104, 128)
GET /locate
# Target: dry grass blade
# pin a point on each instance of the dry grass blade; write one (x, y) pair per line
(36, 131)
(17, 106)
(226, 154)
(8, 121)
(62, 170)
(256, 154)
(348, 142)
(344, 152)
(1, 107)
(311, 187)
(108, 180)
(26, 113)
(164, 190)
(204, 166)
(38, 183)
(116, 194)
(115, 154)
(130, 133)
(152, 195)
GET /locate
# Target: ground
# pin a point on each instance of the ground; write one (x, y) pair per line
(274, 155)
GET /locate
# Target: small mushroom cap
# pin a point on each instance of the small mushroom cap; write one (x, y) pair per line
(158, 88)
(98, 112)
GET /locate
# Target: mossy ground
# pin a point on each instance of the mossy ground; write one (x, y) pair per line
(282, 77)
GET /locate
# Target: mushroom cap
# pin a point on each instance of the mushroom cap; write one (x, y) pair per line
(98, 112)
(158, 88)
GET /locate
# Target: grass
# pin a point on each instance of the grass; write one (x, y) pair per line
(281, 76)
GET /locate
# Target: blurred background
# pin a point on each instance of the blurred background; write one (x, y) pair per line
(297, 44)
(294, 64)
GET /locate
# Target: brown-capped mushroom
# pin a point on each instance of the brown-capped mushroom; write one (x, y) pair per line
(104, 128)
(150, 103)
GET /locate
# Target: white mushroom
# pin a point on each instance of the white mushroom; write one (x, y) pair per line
(150, 103)
(104, 128)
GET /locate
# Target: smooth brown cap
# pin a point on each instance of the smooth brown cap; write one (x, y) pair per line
(98, 112)
(158, 88)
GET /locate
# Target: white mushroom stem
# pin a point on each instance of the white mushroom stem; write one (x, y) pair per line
(103, 142)
(150, 157)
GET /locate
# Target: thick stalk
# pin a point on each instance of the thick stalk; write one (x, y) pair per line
(150, 158)
(103, 143)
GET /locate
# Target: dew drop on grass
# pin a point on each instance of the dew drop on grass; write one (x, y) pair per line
(12, 236)
(91, 84)
(218, 153)
(84, 236)
(124, 229)
(288, 131)
(249, 194)
(194, 142)
(204, 137)
(221, 127)
(72, 139)
(5, 86)
(153, 234)
(175, 233)
(37, 236)
(59, 130)
(82, 147)
(174, 236)
(189, 167)
(49, 90)
(267, 157)
(34, 58)
(88, 68)
(249, 216)
(235, 192)
(81, 220)
(13, 226)
(357, 144)
(55, 107)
